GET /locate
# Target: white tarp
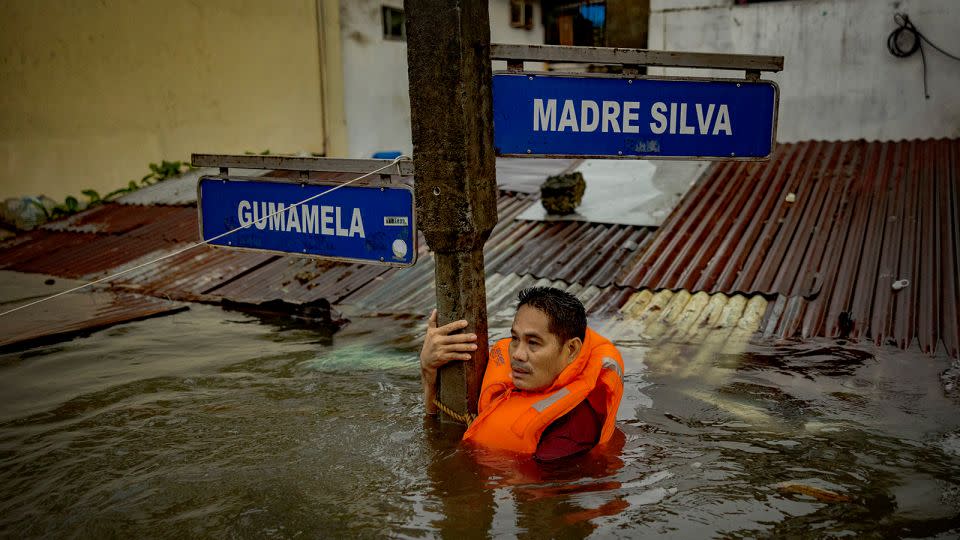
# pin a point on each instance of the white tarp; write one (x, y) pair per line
(627, 192)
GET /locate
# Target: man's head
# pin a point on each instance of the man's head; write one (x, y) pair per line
(548, 331)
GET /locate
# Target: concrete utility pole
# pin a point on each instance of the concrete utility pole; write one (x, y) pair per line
(448, 54)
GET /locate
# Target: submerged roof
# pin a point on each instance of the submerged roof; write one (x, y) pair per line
(858, 238)
(820, 232)
(65, 316)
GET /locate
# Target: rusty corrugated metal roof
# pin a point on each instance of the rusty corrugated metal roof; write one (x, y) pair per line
(181, 190)
(415, 294)
(22, 249)
(78, 314)
(122, 238)
(109, 219)
(865, 214)
(194, 273)
(822, 231)
(683, 317)
(298, 280)
(576, 253)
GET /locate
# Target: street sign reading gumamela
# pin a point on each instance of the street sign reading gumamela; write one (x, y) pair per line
(537, 115)
(367, 224)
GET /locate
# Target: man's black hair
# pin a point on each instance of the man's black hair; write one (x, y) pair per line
(566, 315)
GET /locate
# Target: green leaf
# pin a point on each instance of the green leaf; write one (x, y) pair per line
(110, 196)
(132, 186)
(40, 205)
(72, 204)
(91, 194)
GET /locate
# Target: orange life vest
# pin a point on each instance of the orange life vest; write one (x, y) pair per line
(513, 419)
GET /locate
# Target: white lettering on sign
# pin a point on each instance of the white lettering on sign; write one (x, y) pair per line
(305, 218)
(624, 117)
(683, 123)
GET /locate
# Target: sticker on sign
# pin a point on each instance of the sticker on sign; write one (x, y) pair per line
(311, 219)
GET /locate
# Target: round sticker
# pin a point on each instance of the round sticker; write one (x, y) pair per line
(399, 248)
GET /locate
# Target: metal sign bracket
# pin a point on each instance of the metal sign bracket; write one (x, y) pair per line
(303, 166)
(633, 59)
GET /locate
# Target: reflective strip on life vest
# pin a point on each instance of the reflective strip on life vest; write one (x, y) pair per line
(541, 405)
(610, 363)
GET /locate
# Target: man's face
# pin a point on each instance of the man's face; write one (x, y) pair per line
(536, 355)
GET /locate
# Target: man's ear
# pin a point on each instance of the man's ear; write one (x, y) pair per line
(572, 348)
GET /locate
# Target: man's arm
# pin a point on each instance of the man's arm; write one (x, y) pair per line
(441, 346)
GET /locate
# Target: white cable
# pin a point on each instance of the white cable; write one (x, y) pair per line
(203, 242)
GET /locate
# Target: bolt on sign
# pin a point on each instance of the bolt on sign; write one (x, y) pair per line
(546, 115)
(366, 224)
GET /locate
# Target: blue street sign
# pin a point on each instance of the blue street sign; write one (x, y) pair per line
(353, 223)
(541, 115)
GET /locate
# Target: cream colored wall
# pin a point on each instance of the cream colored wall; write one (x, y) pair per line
(91, 92)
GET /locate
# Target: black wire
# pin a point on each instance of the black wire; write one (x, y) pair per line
(893, 44)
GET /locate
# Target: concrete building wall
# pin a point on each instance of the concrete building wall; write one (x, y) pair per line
(839, 81)
(376, 94)
(376, 98)
(91, 92)
(502, 32)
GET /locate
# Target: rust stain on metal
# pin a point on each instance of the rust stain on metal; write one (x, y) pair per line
(829, 226)
(110, 219)
(298, 281)
(79, 314)
(76, 255)
(192, 274)
(573, 255)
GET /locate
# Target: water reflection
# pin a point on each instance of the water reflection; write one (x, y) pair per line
(484, 490)
(255, 429)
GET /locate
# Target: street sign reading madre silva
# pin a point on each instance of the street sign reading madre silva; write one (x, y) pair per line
(367, 224)
(540, 115)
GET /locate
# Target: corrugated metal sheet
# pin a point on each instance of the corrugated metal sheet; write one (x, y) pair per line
(524, 175)
(570, 251)
(576, 253)
(866, 214)
(192, 274)
(177, 191)
(562, 251)
(110, 219)
(78, 314)
(84, 255)
(684, 317)
(400, 294)
(298, 281)
(24, 248)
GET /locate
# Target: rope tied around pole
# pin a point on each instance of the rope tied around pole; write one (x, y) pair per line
(465, 419)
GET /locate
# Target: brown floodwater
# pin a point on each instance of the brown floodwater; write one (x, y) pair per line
(221, 424)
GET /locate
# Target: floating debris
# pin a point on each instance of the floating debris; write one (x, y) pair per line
(822, 495)
(563, 193)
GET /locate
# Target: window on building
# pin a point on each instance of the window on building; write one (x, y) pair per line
(521, 14)
(393, 27)
(575, 23)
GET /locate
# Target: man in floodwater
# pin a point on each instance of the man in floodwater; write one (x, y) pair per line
(551, 390)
